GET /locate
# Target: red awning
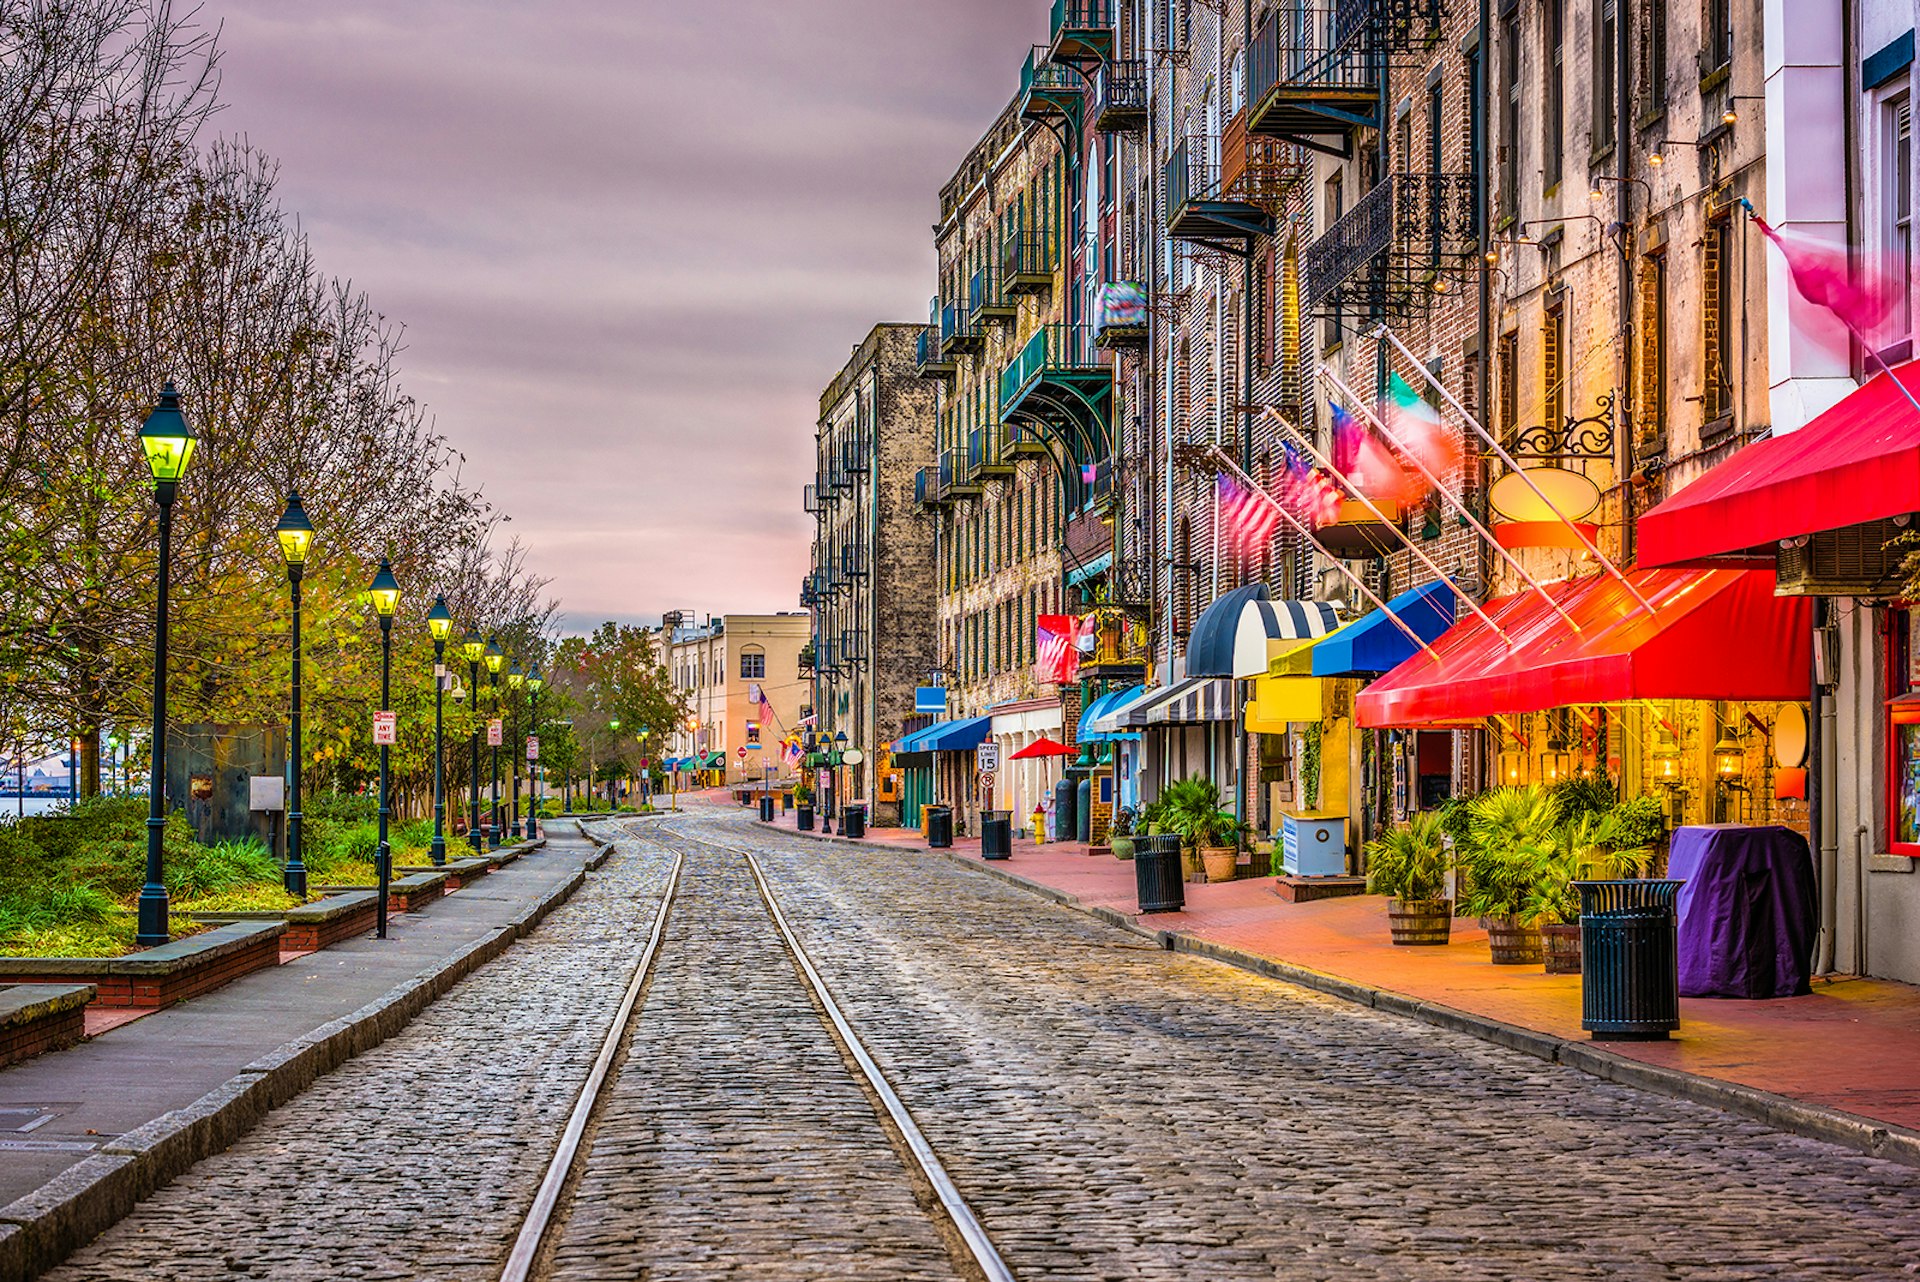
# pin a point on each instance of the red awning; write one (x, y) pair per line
(1858, 462)
(1714, 634)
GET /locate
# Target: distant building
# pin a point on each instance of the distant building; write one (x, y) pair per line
(720, 665)
(871, 589)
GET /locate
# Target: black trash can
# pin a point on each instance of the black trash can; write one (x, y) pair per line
(786, 802)
(803, 818)
(853, 821)
(1066, 822)
(1629, 960)
(996, 834)
(1157, 874)
(940, 827)
(766, 808)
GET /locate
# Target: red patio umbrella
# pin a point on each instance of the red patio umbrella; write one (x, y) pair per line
(1043, 747)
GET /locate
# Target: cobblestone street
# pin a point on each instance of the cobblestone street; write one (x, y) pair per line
(1108, 1110)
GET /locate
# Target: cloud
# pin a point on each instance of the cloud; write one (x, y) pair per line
(630, 242)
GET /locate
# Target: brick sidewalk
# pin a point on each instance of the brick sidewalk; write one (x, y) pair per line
(1850, 1046)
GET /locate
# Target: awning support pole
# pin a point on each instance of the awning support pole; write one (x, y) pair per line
(1219, 458)
(1380, 516)
(1500, 452)
(1459, 505)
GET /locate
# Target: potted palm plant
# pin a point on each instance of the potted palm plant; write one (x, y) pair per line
(1604, 846)
(1193, 810)
(1120, 834)
(1409, 865)
(1512, 834)
(803, 805)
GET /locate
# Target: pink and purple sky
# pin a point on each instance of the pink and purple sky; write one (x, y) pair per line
(631, 241)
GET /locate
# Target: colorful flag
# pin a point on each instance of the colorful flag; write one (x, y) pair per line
(1416, 428)
(1367, 464)
(1820, 272)
(1056, 654)
(1089, 473)
(1247, 517)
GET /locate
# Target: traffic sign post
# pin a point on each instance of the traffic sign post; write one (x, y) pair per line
(386, 729)
(533, 747)
(495, 736)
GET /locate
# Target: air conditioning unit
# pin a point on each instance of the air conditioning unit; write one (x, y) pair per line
(1854, 561)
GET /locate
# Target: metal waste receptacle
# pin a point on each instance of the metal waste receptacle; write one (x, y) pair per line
(1629, 959)
(766, 808)
(1157, 873)
(996, 834)
(940, 827)
(853, 821)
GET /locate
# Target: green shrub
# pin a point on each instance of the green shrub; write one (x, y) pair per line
(1583, 795)
(1410, 862)
(1512, 835)
(343, 808)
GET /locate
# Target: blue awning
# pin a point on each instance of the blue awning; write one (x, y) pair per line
(946, 736)
(956, 736)
(1374, 644)
(1087, 733)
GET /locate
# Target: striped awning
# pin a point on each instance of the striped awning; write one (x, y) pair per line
(1193, 701)
(1243, 629)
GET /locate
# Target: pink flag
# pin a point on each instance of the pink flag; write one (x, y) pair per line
(1821, 274)
(1368, 465)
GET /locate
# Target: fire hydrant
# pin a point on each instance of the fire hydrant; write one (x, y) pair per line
(1039, 826)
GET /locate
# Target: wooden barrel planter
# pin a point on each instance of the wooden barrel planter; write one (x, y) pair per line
(1513, 942)
(1420, 921)
(1563, 948)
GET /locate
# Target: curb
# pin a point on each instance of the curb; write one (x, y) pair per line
(1784, 1113)
(40, 1229)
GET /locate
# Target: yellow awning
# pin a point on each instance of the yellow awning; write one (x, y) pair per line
(1295, 658)
(1279, 702)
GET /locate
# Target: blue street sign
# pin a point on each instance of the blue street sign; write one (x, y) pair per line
(930, 699)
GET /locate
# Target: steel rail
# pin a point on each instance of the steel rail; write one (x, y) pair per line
(526, 1248)
(969, 1228)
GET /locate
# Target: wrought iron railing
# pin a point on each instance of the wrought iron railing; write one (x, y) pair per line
(1406, 226)
(810, 497)
(1039, 75)
(926, 348)
(1052, 347)
(853, 646)
(855, 456)
(1081, 15)
(1120, 94)
(1192, 174)
(853, 560)
(1031, 252)
(1310, 46)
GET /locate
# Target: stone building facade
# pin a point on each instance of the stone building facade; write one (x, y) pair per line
(873, 557)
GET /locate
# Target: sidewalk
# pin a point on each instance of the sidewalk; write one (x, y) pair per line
(92, 1094)
(1850, 1047)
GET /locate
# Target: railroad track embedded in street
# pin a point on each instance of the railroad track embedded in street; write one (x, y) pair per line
(534, 1252)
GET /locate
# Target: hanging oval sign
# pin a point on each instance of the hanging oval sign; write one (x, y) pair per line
(1565, 489)
(1790, 736)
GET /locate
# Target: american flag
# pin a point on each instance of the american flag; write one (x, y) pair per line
(1056, 656)
(1247, 518)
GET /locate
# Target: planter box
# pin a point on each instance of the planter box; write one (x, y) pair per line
(404, 894)
(460, 872)
(337, 917)
(1304, 890)
(36, 1018)
(157, 977)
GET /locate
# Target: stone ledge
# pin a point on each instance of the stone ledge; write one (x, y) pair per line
(41, 1229)
(161, 976)
(460, 872)
(37, 1018)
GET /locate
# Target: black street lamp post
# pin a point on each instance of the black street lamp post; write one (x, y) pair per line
(386, 598)
(295, 533)
(516, 680)
(534, 682)
(440, 624)
(474, 648)
(167, 442)
(495, 657)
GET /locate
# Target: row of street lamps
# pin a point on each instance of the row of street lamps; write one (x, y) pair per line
(168, 443)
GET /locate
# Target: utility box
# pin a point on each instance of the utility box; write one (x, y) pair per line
(1314, 845)
(210, 771)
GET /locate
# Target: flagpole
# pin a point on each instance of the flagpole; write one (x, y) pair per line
(1592, 548)
(1225, 463)
(1418, 555)
(1328, 376)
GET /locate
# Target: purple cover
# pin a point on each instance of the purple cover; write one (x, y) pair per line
(1748, 911)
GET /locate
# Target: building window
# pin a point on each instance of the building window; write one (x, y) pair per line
(1509, 375)
(1553, 365)
(1434, 169)
(1716, 303)
(1719, 41)
(1556, 92)
(753, 666)
(1476, 129)
(1333, 207)
(1510, 115)
(1903, 738)
(1654, 91)
(1606, 77)
(1653, 353)
(1897, 166)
